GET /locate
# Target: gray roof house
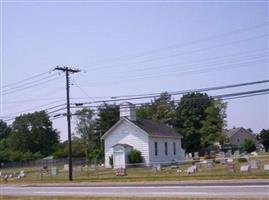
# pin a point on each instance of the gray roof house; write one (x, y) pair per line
(157, 142)
(237, 136)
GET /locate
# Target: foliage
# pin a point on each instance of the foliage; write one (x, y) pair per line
(135, 156)
(161, 109)
(85, 127)
(4, 130)
(191, 112)
(241, 160)
(212, 126)
(249, 145)
(31, 136)
(108, 115)
(264, 138)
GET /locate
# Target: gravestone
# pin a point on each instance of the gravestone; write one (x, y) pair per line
(231, 167)
(230, 160)
(237, 154)
(0, 174)
(66, 167)
(22, 174)
(54, 171)
(198, 165)
(121, 172)
(190, 155)
(192, 169)
(244, 168)
(253, 164)
(266, 168)
(210, 164)
(78, 169)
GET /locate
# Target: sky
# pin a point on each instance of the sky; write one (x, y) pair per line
(133, 47)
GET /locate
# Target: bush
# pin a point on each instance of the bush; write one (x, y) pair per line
(242, 160)
(249, 146)
(135, 156)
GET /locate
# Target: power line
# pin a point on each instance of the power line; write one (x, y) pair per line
(152, 95)
(183, 45)
(26, 79)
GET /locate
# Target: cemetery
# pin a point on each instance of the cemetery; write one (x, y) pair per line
(222, 166)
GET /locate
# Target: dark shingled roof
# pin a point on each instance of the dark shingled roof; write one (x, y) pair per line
(154, 128)
(232, 131)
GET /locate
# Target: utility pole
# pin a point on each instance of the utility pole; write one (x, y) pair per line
(68, 115)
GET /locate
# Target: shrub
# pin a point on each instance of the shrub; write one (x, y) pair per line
(249, 146)
(135, 156)
(242, 160)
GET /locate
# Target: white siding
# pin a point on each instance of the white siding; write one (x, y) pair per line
(127, 133)
(161, 157)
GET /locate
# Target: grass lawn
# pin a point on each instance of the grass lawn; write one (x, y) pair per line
(219, 172)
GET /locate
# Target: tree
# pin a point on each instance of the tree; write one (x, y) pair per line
(191, 112)
(33, 133)
(264, 138)
(85, 127)
(249, 145)
(161, 109)
(4, 130)
(213, 124)
(108, 115)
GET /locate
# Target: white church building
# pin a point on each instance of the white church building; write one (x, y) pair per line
(157, 142)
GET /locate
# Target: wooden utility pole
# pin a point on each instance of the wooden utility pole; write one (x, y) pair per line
(68, 116)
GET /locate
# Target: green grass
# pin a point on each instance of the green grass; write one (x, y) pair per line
(219, 172)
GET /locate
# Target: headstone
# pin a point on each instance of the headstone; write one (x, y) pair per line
(230, 160)
(190, 155)
(0, 174)
(192, 169)
(198, 165)
(22, 174)
(253, 164)
(78, 169)
(231, 167)
(54, 171)
(244, 168)
(210, 164)
(237, 153)
(66, 167)
(266, 168)
(121, 172)
(196, 155)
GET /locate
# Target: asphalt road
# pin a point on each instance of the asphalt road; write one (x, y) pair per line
(205, 191)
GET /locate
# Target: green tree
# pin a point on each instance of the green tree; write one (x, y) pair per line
(86, 126)
(161, 109)
(4, 130)
(191, 114)
(264, 138)
(108, 115)
(33, 133)
(249, 145)
(213, 124)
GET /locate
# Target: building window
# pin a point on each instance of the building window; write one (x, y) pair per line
(156, 148)
(174, 148)
(165, 148)
(238, 140)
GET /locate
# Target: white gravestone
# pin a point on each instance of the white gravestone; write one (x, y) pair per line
(266, 168)
(244, 168)
(253, 164)
(66, 167)
(54, 171)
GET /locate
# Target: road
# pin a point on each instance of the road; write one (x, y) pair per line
(206, 191)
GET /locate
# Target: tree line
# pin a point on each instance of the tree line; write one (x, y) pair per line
(199, 118)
